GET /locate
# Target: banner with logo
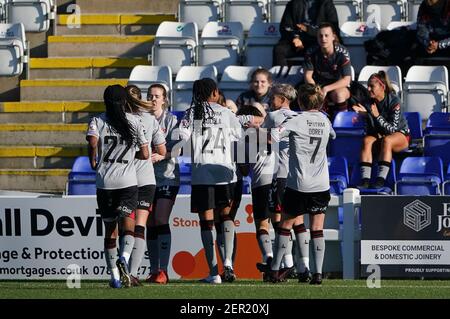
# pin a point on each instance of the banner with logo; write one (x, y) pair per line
(407, 236)
(50, 238)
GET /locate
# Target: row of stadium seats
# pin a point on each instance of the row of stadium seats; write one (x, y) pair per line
(223, 43)
(417, 176)
(13, 49)
(426, 88)
(381, 11)
(35, 15)
(435, 138)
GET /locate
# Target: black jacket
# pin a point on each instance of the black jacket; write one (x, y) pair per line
(325, 11)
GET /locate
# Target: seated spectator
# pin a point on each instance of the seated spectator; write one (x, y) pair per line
(299, 26)
(261, 82)
(387, 128)
(433, 30)
(328, 65)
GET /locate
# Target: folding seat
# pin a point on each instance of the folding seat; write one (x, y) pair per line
(235, 80)
(426, 89)
(144, 75)
(385, 11)
(411, 25)
(13, 49)
(175, 45)
(415, 126)
(393, 72)
(185, 80)
(354, 34)
(287, 74)
(34, 14)
(276, 10)
(438, 123)
(178, 114)
(338, 171)
(81, 178)
(200, 11)
(437, 145)
(388, 187)
(221, 44)
(446, 184)
(348, 10)
(261, 39)
(185, 174)
(246, 12)
(420, 176)
(350, 131)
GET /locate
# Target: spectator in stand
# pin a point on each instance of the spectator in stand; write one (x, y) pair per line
(299, 27)
(433, 30)
(261, 82)
(328, 65)
(387, 128)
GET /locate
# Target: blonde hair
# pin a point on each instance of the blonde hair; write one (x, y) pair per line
(285, 90)
(310, 97)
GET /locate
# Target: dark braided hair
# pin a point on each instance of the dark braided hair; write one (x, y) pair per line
(201, 91)
(115, 98)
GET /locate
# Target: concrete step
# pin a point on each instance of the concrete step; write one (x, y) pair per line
(83, 68)
(49, 112)
(66, 90)
(120, 6)
(34, 180)
(43, 134)
(111, 24)
(100, 46)
(26, 157)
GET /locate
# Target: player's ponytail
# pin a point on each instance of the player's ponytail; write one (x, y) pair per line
(200, 107)
(310, 97)
(115, 99)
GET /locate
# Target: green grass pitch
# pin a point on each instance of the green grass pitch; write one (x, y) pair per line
(241, 289)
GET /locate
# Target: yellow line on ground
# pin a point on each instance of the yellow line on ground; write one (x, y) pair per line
(100, 39)
(43, 172)
(16, 107)
(104, 19)
(43, 127)
(36, 107)
(72, 83)
(146, 19)
(83, 63)
(17, 151)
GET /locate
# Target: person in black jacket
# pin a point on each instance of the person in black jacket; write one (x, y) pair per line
(433, 29)
(299, 26)
(387, 128)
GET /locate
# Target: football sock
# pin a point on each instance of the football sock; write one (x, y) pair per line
(164, 244)
(264, 242)
(152, 247)
(366, 170)
(219, 240)
(284, 236)
(111, 256)
(206, 227)
(228, 234)
(383, 169)
(319, 248)
(302, 238)
(128, 244)
(138, 249)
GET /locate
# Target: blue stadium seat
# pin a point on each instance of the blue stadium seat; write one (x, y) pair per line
(355, 180)
(178, 114)
(438, 123)
(185, 174)
(420, 176)
(338, 170)
(415, 124)
(349, 128)
(437, 145)
(446, 184)
(81, 178)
